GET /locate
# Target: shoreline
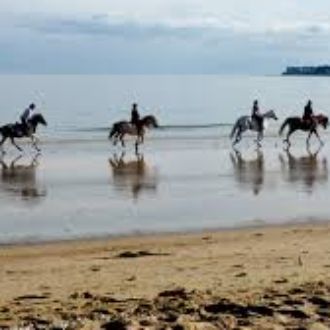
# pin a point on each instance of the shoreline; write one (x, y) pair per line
(160, 234)
(88, 282)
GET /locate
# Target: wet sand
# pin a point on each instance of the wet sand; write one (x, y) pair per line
(257, 278)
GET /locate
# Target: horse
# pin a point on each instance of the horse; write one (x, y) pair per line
(17, 130)
(297, 123)
(122, 128)
(245, 123)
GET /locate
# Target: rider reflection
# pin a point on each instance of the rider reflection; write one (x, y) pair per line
(133, 175)
(249, 173)
(309, 169)
(21, 178)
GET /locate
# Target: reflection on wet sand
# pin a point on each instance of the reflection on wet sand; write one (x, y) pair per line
(20, 178)
(249, 173)
(308, 169)
(133, 175)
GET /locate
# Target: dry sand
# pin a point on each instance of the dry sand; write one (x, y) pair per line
(260, 278)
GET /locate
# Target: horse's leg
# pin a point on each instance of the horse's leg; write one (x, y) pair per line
(122, 140)
(115, 138)
(318, 136)
(14, 143)
(309, 137)
(34, 143)
(259, 138)
(1, 144)
(238, 137)
(287, 140)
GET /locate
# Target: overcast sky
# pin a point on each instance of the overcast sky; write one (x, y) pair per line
(162, 36)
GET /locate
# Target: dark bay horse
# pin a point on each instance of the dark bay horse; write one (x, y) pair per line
(297, 123)
(17, 131)
(122, 128)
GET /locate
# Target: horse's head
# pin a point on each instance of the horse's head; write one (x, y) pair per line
(150, 121)
(38, 119)
(324, 121)
(270, 114)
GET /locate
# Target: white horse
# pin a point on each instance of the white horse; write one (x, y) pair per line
(245, 123)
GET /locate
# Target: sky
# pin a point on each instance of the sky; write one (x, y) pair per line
(162, 36)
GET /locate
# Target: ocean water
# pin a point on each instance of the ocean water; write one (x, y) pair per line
(185, 177)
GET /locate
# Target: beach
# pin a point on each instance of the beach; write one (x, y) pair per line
(187, 233)
(256, 278)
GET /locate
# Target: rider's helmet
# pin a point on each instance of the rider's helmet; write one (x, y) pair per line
(134, 105)
(32, 106)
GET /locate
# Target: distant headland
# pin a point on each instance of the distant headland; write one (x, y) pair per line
(323, 70)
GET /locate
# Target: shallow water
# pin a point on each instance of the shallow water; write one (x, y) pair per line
(186, 176)
(92, 189)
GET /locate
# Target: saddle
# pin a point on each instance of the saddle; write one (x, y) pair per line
(254, 124)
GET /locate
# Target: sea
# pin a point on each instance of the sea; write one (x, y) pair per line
(185, 177)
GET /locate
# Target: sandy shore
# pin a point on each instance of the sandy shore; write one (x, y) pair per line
(250, 278)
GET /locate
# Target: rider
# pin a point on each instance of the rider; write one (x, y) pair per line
(26, 116)
(135, 117)
(256, 115)
(308, 112)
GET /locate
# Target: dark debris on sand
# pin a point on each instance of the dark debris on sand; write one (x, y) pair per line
(305, 307)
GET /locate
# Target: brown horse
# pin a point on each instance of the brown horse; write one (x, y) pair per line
(122, 128)
(296, 123)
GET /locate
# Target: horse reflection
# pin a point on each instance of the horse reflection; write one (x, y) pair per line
(249, 173)
(21, 179)
(133, 175)
(308, 169)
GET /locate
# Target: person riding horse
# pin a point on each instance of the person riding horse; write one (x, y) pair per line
(256, 115)
(26, 116)
(135, 118)
(308, 113)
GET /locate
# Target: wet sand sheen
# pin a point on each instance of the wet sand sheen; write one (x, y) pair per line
(91, 190)
(279, 274)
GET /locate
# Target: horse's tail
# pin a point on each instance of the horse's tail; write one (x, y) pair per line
(234, 129)
(114, 130)
(286, 122)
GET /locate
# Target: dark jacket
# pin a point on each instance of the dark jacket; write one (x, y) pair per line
(308, 112)
(135, 117)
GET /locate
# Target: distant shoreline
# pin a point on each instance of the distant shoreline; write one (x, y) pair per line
(323, 70)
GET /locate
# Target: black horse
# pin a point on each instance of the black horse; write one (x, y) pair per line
(296, 123)
(17, 131)
(121, 128)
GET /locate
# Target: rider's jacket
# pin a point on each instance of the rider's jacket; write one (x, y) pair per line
(26, 115)
(255, 111)
(135, 117)
(308, 112)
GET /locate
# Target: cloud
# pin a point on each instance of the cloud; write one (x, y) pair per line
(117, 25)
